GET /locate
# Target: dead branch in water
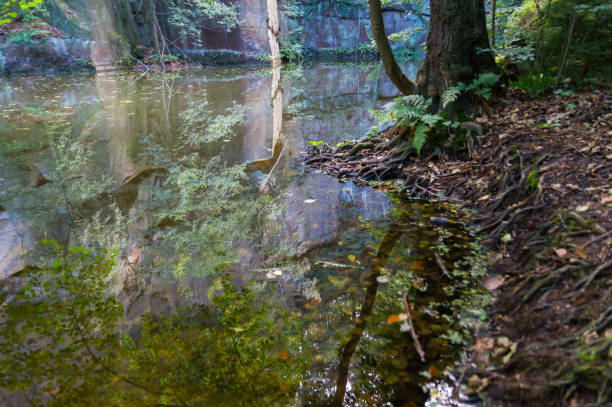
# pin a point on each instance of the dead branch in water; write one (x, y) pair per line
(415, 337)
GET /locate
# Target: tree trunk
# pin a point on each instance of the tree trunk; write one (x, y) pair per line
(394, 72)
(457, 31)
(493, 15)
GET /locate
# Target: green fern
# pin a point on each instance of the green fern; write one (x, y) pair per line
(450, 95)
(481, 87)
(408, 108)
(412, 111)
(420, 137)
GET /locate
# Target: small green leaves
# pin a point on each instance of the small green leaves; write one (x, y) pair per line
(315, 143)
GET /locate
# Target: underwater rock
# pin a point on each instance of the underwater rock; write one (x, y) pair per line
(15, 241)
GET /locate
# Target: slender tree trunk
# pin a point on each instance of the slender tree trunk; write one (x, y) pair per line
(457, 33)
(566, 47)
(493, 13)
(394, 72)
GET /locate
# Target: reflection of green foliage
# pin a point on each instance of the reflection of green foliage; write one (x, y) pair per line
(60, 342)
(61, 321)
(200, 127)
(51, 144)
(200, 205)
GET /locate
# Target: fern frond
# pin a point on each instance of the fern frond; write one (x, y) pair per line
(488, 79)
(450, 95)
(484, 80)
(430, 120)
(408, 109)
(420, 137)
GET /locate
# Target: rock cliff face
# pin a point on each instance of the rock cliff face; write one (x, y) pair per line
(102, 34)
(338, 27)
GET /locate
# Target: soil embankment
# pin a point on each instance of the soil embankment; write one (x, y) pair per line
(540, 184)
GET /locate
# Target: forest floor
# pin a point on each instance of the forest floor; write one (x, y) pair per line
(540, 184)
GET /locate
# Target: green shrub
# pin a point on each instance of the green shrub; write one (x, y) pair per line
(590, 45)
(534, 84)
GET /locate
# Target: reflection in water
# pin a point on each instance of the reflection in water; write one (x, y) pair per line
(239, 278)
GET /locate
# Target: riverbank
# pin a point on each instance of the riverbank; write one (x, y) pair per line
(540, 186)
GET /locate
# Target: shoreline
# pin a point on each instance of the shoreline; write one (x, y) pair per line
(540, 185)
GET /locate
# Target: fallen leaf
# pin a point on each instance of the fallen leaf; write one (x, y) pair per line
(283, 355)
(582, 208)
(493, 283)
(581, 252)
(352, 258)
(382, 279)
(392, 319)
(561, 252)
(396, 318)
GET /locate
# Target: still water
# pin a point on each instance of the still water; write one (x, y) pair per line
(209, 267)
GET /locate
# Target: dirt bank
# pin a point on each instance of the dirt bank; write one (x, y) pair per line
(540, 184)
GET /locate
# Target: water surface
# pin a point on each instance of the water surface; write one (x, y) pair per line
(235, 276)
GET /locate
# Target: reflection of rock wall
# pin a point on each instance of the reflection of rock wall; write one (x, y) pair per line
(61, 54)
(331, 104)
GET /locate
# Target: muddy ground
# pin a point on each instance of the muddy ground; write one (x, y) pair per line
(539, 180)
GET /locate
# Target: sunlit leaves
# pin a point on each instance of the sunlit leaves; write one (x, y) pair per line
(9, 9)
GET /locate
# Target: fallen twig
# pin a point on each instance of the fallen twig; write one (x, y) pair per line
(596, 239)
(415, 337)
(441, 265)
(584, 283)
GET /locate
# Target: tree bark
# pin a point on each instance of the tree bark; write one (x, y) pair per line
(394, 72)
(493, 15)
(457, 31)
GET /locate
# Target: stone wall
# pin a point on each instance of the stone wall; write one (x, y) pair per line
(104, 33)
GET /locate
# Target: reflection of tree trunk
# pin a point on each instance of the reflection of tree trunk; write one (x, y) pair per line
(267, 165)
(386, 247)
(119, 127)
(394, 72)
